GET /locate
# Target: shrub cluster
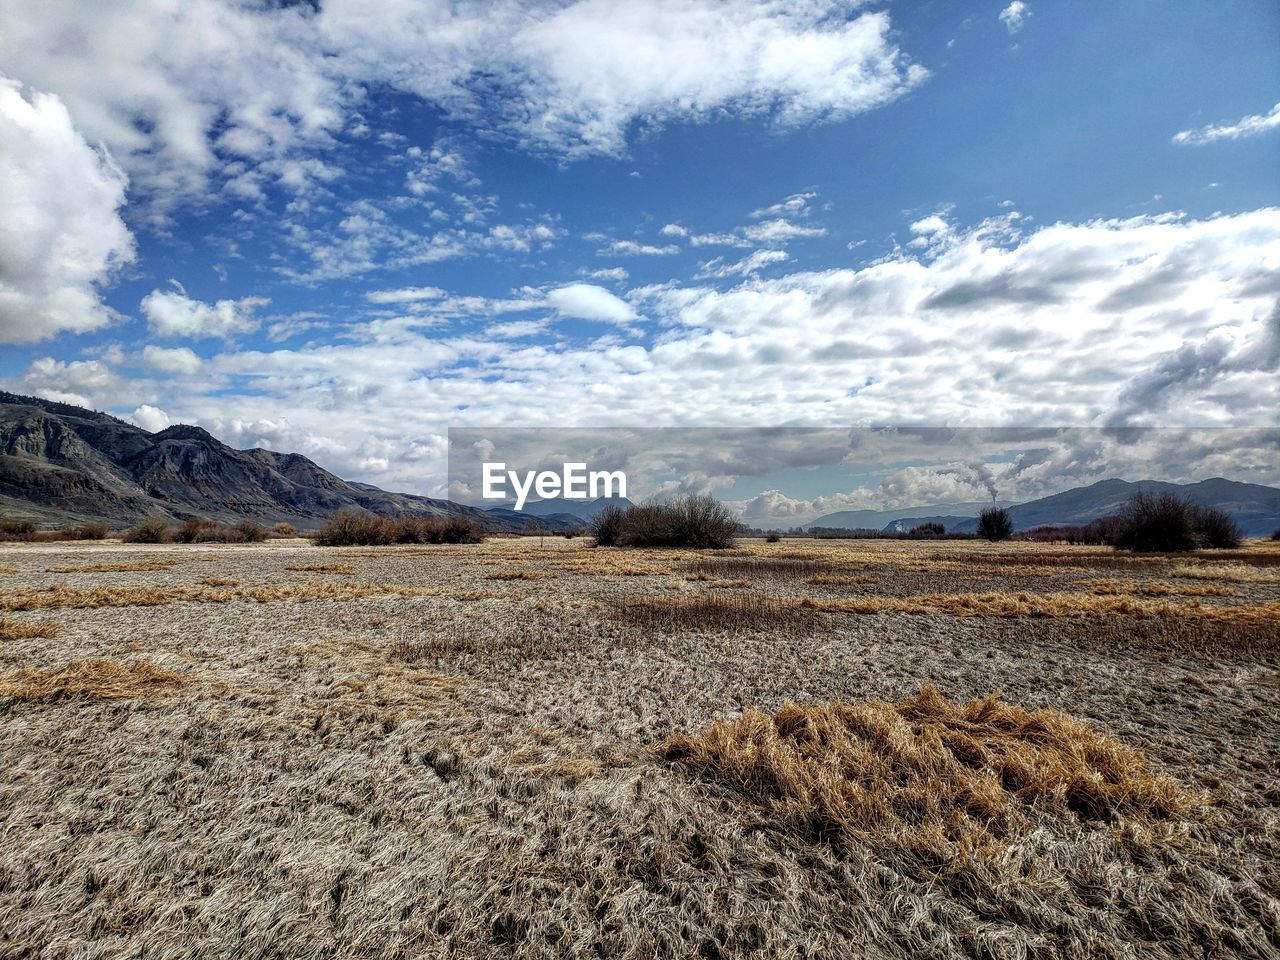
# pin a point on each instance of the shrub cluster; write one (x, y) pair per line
(1168, 523)
(156, 529)
(995, 524)
(352, 526)
(17, 530)
(25, 530)
(690, 520)
(927, 531)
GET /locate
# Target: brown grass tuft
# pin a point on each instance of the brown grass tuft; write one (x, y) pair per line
(24, 630)
(52, 598)
(321, 568)
(936, 783)
(137, 566)
(520, 575)
(97, 679)
(718, 612)
(1113, 586)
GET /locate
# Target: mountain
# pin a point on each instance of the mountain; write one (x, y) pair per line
(582, 510)
(61, 464)
(1254, 506)
(948, 522)
(880, 519)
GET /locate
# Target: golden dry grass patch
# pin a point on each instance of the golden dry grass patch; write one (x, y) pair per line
(1228, 572)
(11, 629)
(520, 575)
(1113, 586)
(100, 678)
(321, 568)
(133, 566)
(935, 783)
(57, 597)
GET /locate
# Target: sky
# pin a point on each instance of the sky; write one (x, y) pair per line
(343, 228)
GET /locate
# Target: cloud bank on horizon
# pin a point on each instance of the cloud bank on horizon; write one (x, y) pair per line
(340, 228)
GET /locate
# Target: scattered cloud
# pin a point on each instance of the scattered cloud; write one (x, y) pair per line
(149, 418)
(630, 248)
(1015, 15)
(1249, 126)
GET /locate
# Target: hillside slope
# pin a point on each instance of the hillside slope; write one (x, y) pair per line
(62, 464)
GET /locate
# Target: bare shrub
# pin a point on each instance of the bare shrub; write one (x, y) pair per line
(17, 529)
(995, 524)
(1168, 523)
(927, 531)
(453, 528)
(1275, 535)
(154, 529)
(283, 529)
(87, 531)
(193, 530)
(937, 783)
(352, 526)
(773, 536)
(246, 531)
(691, 520)
(1216, 529)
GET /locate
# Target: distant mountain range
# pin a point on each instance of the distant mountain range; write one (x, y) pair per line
(1255, 507)
(61, 464)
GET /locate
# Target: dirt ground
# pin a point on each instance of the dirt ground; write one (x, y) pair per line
(292, 751)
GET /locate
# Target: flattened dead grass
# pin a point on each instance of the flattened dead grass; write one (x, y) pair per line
(933, 783)
(135, 566)
(1113, 586)
(321, 568)
(1050, 605)
(11, 629)
(98, 679)
(51, 598)
(1229, 572)
(520, 575)
(839, 579)
(716, 612)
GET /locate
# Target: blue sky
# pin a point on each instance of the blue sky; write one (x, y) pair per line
(342, 231)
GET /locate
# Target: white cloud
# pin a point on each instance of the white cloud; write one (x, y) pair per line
(750, 264)
(203, 89)
(780, 231)
(405, 295)
(586, 301)
(1015, 15)
(149, 418)
(1249, 126)
(171, 313)
(171, 359)
(61, 235)
(796, 205)
(630, 248)
(674, 230)
(607, 273)
(930, 225)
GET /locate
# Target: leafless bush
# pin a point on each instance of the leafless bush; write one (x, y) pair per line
(352, 526)
(453, 528)
(283, 529)
(154, 529)
(1168, 523)
(995, 524)
(691, 520)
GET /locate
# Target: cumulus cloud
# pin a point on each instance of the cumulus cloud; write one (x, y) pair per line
(82, 382)
(61, 235)
(149, 418)
(1249, 126)
(171, 313)
(1015, 15)
(586, 301)
(171, 359)
(717, 269)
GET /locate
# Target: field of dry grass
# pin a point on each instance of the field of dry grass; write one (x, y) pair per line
(531, 748)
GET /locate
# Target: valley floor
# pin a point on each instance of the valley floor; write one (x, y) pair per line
(467, 751)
